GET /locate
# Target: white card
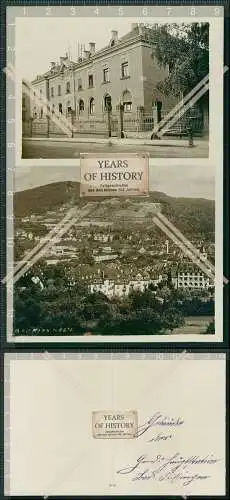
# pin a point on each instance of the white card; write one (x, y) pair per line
(60, 446)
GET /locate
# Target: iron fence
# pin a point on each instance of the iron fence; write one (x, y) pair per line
(132, 124)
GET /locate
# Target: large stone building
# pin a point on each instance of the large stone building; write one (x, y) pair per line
(124, 72)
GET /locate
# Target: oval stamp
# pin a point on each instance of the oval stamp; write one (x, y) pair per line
(114, 424)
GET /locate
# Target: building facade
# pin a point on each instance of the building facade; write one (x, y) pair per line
(124, 72)
(192, 280)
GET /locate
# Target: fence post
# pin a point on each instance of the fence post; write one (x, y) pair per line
(121, 115)
(48, 125)
(31, 126)
(140, 119)
(190, 133)
(72, 122)
(109, 109)
(156, 112)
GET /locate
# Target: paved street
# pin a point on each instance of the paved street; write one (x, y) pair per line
(63, 149)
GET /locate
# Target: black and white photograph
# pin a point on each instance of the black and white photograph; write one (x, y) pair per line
(114, 266)
(121, 85)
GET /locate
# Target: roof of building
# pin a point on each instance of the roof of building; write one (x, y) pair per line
(137, 33)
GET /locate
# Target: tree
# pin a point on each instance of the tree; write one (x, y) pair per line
(184, 50)
(211, 328)
(172, 319)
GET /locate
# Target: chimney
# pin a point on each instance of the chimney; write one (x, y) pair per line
(134, 26)
(52, 64)
(86, 54)
(114, 35)
(61, 60)
(92, 48)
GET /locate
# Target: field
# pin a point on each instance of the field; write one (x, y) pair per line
(193, 325)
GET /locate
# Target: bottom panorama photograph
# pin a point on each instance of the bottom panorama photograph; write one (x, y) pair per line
(118, 266)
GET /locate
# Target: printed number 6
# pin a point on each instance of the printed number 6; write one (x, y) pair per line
(120, 11)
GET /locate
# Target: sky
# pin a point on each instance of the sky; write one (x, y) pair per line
(40, 40)
(178, 181)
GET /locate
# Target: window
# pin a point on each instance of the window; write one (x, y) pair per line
(60, 107)
(68, 107)
(125, 70)
(91, 106)
(127, 101)
(107, 102)
(105, 75)
(53, 108)
(40, 93)
(127, 106)
(41, 112)
(59, 89)
(81, 106)
(90, 81)
(79, 84)
(68, 87)
(52, 91)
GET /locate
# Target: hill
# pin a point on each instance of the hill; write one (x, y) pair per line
(190, 215)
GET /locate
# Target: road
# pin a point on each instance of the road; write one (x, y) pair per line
(63, 149)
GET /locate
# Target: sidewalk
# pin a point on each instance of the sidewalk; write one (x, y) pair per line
(184, 143)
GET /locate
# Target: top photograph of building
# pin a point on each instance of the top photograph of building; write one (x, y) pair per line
(122, 91)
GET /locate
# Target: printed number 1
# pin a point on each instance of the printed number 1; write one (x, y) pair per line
(96, 11)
